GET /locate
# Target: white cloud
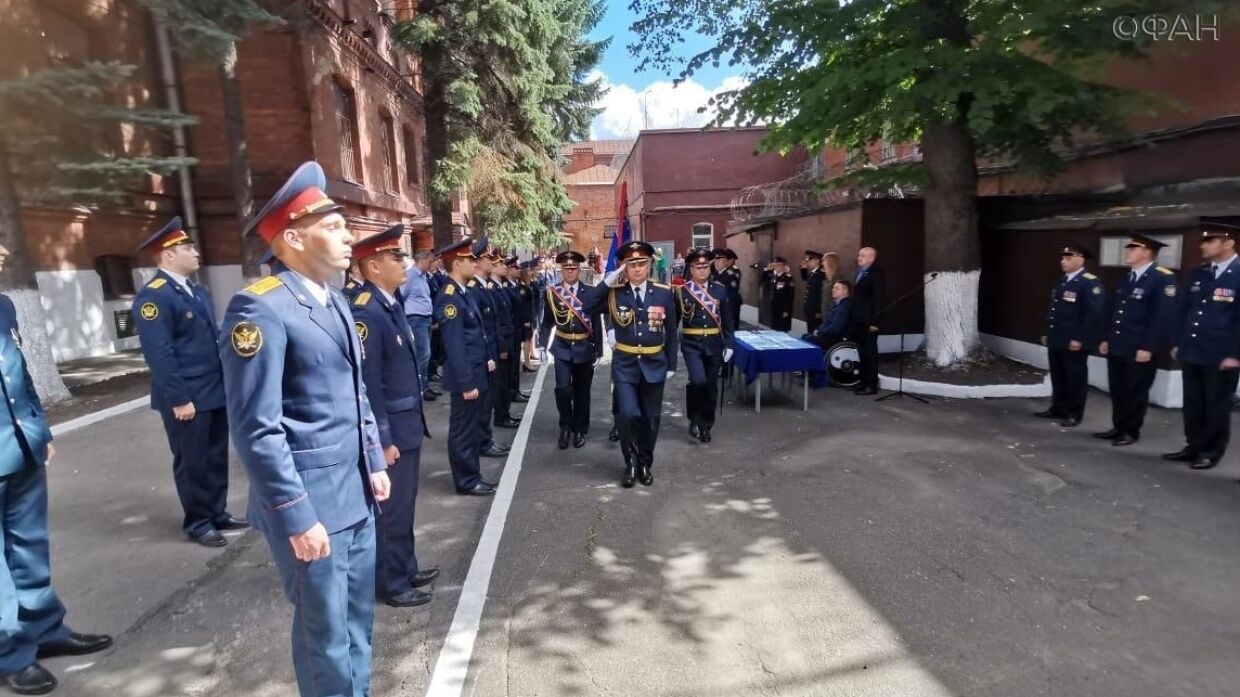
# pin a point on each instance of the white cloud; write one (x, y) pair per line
(660, 105)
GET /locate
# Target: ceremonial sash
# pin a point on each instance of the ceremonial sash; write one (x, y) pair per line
(705, 299)
(573, 303)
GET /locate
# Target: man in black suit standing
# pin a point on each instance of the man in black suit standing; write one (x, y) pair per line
(869, 298)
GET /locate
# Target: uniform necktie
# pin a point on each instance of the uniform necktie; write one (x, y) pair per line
(1132, 276)
(638, 293)
(1216, 268)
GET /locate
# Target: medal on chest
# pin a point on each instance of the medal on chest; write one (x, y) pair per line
(1224, 295)
(1069, 296)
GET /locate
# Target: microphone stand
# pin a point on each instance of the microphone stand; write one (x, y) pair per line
(900, 379)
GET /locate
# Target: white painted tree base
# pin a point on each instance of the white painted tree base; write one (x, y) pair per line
(36, 347)
(951, 316)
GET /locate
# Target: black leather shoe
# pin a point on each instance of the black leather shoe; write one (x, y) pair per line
(33, 680)
(429, 395)
(507, 422)
(479, 489)
(520, 399)
(75, 645)
(1202, 463)
(1184, 454)
(493, 451)
(565, 435)
(211, 538)
(630, 476)
(644, 475)
(1070, 422)
(435, 391)
(704, 435)
(614, 435)
(693, 430)
(1109, 434)
(579, 440)
(1048, 413)
(425, 577)
(1122, 440)
(231, 522)
(410, 598)
(489, 483)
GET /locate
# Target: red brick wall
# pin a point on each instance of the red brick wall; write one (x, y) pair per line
(595, 208)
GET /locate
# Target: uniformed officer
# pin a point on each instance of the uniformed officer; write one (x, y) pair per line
(1142, 324)
(492, 323)
(725, 272)
(467, 364)
(33, 617)
(815, 280)
(302, 425)
(352, 281)
(506, 328)
(394, 384)
(1209, 347)
(529, 305)
(705, 340)
(778, 282)
(176, 324)
(643, 314)
(1073, 328)
(572, 309)
(520, 324)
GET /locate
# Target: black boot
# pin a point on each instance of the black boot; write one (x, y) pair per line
(693, 430)
(565, 434)
(614, 435)
(630, 475)
(644, 475)
(704, 435)
(579, 440)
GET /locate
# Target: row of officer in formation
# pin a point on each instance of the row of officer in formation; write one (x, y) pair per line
(1149, 315)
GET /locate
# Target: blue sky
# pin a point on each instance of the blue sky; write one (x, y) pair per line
(647, 99)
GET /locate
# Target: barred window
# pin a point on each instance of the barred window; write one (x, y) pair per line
(346, 116)
(387, 145)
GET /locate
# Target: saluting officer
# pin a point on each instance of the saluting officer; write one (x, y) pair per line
(1209, 347)
(705, 340)
(393, 382)
(815, 279)
(1073, 327)
(34, 617)
(778, 282)
(302, 425)
(643, 314)
(484, 299)
(467, 364)
(176, 324)
(572, 309)
(1142, 324)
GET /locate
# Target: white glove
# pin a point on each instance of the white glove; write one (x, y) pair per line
(727, 355)
(613, 275)
(611, 338)
(670, 373)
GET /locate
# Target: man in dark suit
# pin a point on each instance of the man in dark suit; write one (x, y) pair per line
(869, 299)
(33, 626)
(838, 322)
(302, 425)
(1073, 327)
(176, 324)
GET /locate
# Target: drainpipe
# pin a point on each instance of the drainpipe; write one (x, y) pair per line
(172, 94)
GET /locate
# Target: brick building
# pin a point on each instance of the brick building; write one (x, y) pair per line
(590, 172)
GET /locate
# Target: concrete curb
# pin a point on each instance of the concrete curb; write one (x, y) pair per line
(939, 389)
(72, 425)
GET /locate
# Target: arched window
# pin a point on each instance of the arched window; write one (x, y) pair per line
(346, 124)
(703, 235)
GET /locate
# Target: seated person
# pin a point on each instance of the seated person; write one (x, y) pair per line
(834, 327)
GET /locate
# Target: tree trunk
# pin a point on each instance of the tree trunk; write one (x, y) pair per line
(437, 141)
(953, 249)
(17, 281)
(239, 158)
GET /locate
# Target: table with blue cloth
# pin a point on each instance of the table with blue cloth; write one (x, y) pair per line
(757, 352)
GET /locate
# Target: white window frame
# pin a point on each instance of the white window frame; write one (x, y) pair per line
(694, 235)
(1111, 250)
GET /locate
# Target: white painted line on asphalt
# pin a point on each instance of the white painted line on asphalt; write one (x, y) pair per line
(83, 421)
(448, 680)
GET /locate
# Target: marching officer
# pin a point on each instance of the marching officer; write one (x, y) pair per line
(778, 282)
(1142, 324)
(1073, 326)
(1209, 347)
(390, 371)
(467, 364)
(572, 309)
(815, 280)
(176, 324)
(643, 314)
(34, 616)
(705, 340)
(302, 425)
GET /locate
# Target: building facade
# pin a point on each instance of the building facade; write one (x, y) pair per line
(589, 172)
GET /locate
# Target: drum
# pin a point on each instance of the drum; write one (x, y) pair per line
(844, 364)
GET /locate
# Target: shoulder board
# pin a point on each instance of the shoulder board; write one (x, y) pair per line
(1165, 271)
(1090, 276)
(157, 283)
(449, 289)
(264, 285)
(473, 283)
(664, 286)
(362, 298)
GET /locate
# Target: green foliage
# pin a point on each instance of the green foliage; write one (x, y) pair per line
(71, 140)
(209, 28)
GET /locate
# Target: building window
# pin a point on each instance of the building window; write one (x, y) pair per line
(704, 235)
(609, 231)
(413, 167)
(346, 124)
(1111, 250)
(387, 146)
(66, 41)
(116, 276)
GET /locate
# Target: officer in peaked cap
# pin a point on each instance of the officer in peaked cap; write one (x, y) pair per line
(1208, 346)
(725, 272)
(1142, 325)
(572, 309)
(521, 323)
(1073, 328)
(705, 340)
(390, 370)
(815, 280)
(494, 320)
(302, 425)
(779, 284)
(467, 364)
(176, 324)
(643, 317)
